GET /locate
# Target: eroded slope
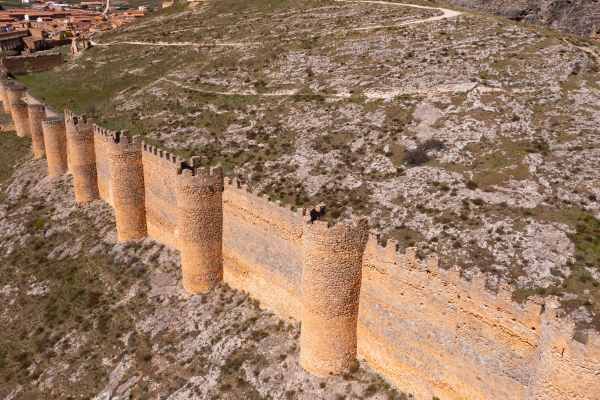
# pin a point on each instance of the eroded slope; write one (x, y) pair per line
(471, 137)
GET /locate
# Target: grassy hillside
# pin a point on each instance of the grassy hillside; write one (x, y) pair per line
(472, 137)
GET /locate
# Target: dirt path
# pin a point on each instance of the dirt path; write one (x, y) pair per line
(176, 44)
(446, 14)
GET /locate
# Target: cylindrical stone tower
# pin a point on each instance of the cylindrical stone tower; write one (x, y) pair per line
(331, 279)
(80, 146)
(56, 146)
(4, 95)
(37, 114)
(127, 175)
(200, 228)
(14, 92)
(20, 117)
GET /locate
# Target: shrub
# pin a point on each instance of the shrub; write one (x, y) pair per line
(419, 156)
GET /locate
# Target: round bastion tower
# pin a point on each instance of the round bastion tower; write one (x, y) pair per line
(37, 113)
(331, 279)
(56, 146)
(127, 175)
(80, 147)
(199, 196)
(4, 95)
(20, 117)
(15, 93)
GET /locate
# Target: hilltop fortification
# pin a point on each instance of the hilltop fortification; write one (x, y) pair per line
(427, 329)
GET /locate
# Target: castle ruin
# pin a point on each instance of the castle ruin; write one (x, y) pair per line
(36, 113)
(80, 146)
(427, 329)
(55, 144)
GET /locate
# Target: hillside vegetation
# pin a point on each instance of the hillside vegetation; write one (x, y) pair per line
(473, 137)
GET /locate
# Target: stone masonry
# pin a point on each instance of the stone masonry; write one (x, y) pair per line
(331, 280)
(20, 118)
(200, 227)
(80, 144)
(55, 143)
(428, 330)
(14, 92)
(4, 95)
(127, 184)
(36, 113)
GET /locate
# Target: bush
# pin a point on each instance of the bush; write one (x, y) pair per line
(419, 155)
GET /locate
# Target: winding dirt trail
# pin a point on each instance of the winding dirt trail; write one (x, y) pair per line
(175, 44)
(446, 14)
(385, 95)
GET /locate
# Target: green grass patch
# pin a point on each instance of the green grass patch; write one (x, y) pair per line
(14, 150)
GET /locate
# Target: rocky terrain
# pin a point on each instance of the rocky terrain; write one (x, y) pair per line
(85, 317)
(581, 17)
(466, 135)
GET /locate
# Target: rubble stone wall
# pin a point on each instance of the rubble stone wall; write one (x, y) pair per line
(36, 113)
(200, 227)
(262, 249)
(55, 142)
(82, 159)
(160, 172)
(32, 63)
(101, 150)
(428, 330)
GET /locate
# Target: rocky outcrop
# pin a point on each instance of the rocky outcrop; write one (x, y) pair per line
(581, 17)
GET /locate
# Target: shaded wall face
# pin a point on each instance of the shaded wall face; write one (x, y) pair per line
(101, 150)
(36, 114)
(161, 203)
(425, 329)
(566, 369)
(262, 250)
(435, 335)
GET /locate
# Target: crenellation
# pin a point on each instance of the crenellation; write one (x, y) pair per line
(36, 113)
(127, 184)
(55, 142)
(200, 226)
(82, 157)
(4, 83)
(20, 116)
(331, 284)
(429, 330)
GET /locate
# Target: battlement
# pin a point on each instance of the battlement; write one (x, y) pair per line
(53, 121)
(430, 330)
(119, 141)
(15, 86)
(386, 259)
(201, 178)
(162, 155)
(104, 134)
(36, 106)
(356, 230)
(19, 104)
(82, 122)
(262, 202)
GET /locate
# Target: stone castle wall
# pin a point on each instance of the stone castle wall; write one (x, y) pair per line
(31, 63)
(160, 171)
(428, 330)
(262, 249)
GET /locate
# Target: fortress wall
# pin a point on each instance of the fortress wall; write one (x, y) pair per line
(262, 249)
(426, 329)
(567, 369)
(434, 334)
(102, 151)
(160, 172)
(32, 63)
